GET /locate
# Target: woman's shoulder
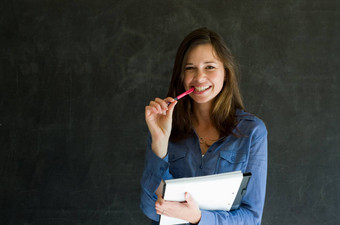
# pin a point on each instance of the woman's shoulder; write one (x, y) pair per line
(250, 124)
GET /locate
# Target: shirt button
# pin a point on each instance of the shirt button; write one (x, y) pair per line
(201, 167)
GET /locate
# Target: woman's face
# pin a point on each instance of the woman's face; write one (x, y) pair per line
(205, 72)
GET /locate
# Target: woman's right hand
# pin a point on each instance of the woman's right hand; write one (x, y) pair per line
(158, 117)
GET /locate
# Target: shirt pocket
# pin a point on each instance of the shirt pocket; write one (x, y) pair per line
(231, 160)
(177, 163)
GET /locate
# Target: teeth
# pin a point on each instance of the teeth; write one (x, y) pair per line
(201, 88)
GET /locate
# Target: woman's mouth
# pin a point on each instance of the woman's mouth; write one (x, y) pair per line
(201, 89)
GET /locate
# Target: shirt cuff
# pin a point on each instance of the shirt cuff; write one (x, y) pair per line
(155, 165)
(156, 169)
(207, 218)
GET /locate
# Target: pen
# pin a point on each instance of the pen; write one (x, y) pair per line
(183, 94)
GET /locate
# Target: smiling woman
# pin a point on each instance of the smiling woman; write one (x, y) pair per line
(206, 133)
(205, 72)
(217, 57)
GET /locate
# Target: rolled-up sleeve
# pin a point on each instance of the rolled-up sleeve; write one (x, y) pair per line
(251, 208)
(155, 170)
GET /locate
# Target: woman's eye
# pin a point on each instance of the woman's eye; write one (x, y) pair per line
(189, 68)
(210, 67)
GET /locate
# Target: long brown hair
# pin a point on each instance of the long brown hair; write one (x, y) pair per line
(223, 111)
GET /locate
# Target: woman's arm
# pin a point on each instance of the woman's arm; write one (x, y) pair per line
(155, 170)
(158, 116)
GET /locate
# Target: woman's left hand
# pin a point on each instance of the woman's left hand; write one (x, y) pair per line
(187, 211)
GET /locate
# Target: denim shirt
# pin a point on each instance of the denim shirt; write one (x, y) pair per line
(247, 153)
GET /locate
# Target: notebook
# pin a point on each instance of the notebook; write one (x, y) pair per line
(212, 192)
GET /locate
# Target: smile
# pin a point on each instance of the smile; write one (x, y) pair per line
(202, 88)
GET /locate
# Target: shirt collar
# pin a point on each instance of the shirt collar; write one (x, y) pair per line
(243, 115)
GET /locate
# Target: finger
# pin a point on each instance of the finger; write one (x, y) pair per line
(162, 212)
(159, 212)
(171, 108)
(159, 202)
(157, 107)
(150, 109)
(162, 103)
(158, 208)
(160, 199)
(188, 197)
(169, 100)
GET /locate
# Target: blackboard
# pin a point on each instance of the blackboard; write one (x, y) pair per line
(75, 77)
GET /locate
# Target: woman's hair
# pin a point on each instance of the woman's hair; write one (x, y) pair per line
(223, 111)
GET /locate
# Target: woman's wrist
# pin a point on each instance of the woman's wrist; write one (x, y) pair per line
(198, 218)
(160, 149)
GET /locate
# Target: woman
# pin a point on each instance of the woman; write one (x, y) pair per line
(206, 133)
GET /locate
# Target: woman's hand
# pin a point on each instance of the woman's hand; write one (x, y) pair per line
(187, 211)
(158, 117)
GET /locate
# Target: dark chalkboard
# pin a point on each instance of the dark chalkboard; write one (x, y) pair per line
(75, 77)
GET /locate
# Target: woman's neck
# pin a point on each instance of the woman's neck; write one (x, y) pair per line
(202, 114)
(206, 132)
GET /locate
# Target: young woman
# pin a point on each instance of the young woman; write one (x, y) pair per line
(206, 133)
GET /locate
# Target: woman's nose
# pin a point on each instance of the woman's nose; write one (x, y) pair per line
(200, 75)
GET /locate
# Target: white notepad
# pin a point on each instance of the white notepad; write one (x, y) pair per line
(213, 192)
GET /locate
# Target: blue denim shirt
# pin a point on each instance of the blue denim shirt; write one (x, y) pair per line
(247, 153)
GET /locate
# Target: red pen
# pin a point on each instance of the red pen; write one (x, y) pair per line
(183, 94)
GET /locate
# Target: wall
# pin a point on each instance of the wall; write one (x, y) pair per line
(75, 77)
